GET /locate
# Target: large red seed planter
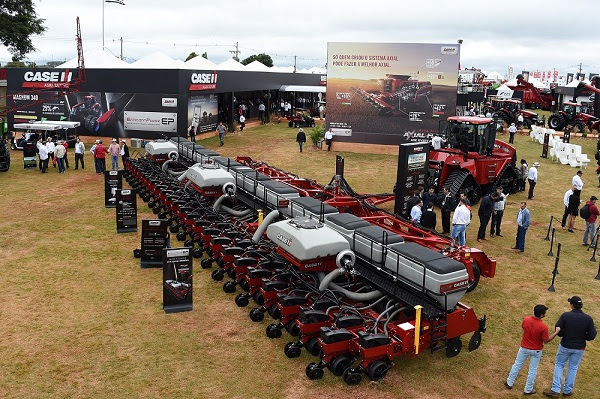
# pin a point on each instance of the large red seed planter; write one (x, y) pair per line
(356, 285)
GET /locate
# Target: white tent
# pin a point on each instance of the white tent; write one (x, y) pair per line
(199, 63)
(257, 66)
(494, 76)
(504, 92)
(318, 70)
(230, 65)
(287, 69)
(575, 83)
(97, 59)
(156, 60)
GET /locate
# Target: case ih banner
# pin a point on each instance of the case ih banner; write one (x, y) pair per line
(390, 93)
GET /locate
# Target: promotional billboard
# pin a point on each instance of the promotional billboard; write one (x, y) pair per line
(203, 112)
(390, 93)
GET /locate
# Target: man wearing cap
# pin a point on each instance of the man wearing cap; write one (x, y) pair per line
(124, 151)
(532, 178)
(535, 335)
(590, 222)
(511, 131)
(79, 151)
(59, 153)
(576, 327)
(577, 182)
(301, 138)
(114, 151)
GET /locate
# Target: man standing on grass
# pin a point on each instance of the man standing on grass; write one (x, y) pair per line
(485, 213)
(43, 152)
(498, 212)
(460, 221)
(577, 182)
(535, 335)
(590, 221)
(523, 222)
(566, 198)
(576, 328)
(79, 151)
(221, 129)
(448, 205)
(532, 178)
(512, 130)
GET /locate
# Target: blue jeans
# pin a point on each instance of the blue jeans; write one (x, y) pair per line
(521, 231)
(459, 231)
(564, 355)
(534, 357)
(300, 144)
(115, 162)
(221, 136)
(590, 229)
(61, 164)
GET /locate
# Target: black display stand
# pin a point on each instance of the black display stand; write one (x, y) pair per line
(126, 211)
(567, 135)
(177, 280)
(113, 181)
(413, 162)
(154, 240)
(545, 146)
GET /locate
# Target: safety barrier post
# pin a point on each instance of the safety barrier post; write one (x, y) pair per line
(549, 228)
(555, 272)
(418, 309)
(260, 216)
(552, 242)
(598, 275)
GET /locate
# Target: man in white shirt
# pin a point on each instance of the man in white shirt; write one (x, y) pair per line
(436, 142)
(566, 202)
(261, 113)
(460, 221)
(43, 152)
(512, 130)
(321, 109)
(532, 178)
(498, 213)
(79, 151)
(520, 121)
(51, 148)
(286, 108)
(416, 212)
(577, 182)
(328, 139)
(242, 122)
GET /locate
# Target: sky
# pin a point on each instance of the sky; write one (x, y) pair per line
(534, 35)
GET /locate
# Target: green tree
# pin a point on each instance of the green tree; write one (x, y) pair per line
(204, 55)
(18, 21)
(192, 55)
(262, 57)
(20, 64)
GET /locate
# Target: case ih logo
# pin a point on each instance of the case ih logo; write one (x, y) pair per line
(47, 79)
(284, 239)
(449, 50)
(204, 81)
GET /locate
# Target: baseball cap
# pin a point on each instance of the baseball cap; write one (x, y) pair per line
(115, 140)
(593, 198)
(536, 164)
(575, 301)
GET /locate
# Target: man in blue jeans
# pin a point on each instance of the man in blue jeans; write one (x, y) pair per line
(576, 327)
(523, 221)
(460, 221)
(535, 335)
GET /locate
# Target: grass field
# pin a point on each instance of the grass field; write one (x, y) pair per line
(79, 318)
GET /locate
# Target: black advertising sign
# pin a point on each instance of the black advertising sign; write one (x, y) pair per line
(177, 280)
(545, 147)
(113, 181)
(154, 240)
(413, 162)
(126, 211)
(567, 135)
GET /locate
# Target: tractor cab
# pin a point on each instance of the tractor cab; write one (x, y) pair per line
(571, 110)
(471, 134)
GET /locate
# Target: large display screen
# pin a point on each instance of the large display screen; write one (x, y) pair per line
(390, 93)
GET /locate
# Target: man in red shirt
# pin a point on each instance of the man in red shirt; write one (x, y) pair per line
(535, 335)
(99, 157)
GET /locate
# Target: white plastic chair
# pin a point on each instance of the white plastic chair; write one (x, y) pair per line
(584, 160)
(574, 156)
(563, 153)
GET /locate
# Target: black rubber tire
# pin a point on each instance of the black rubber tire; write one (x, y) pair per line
(258, 298)
(256, 315)
(244, 285)
(339, 364)
(206, 264)
(351, 377)
(378, 369)
(453, 347)
(217, 275)
(579, 126)
(291, 350)
(229, 287)
(292, 328)
(475, 341)
(197, 253)
(174, 228)
(241, 300)
(274, 312)
(556, 122)
(312, 347)
(231, 273)
(273, 332)
(314, 372)
(181, 235)
(476, 276)
(188, 243)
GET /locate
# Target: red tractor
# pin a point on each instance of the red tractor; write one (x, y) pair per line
(475, 163)
(571, 114)
(400, 94)
(509, 111)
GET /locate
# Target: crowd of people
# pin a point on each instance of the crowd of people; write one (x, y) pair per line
(57, 153)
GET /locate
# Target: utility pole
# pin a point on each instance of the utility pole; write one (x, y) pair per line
(236, 52)
(580, 65)
(294, 64)
(121, 48)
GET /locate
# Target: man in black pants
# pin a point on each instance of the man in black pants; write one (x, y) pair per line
(566, 202)
(532, 178)
(485, 213)
(448, 205)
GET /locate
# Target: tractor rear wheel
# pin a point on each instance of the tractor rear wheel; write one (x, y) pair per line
(504, 116)
(556, 122)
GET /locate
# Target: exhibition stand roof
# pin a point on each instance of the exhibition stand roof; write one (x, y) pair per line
(199, 63)
(230, 65)
(97, 59)
(257, 66)
(157, 60)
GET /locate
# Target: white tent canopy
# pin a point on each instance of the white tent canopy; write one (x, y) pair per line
(49, 126)
(230, 65)
(257, 66)
(63, 124)
(493, 76)
(199, 63)
(156, 60)
(97, 59)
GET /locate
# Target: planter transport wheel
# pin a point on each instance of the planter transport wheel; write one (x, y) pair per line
(351, 377)
(241, 300)
(229, 287)
(453, 347)
(291, 350)
(256, 315)
(378, 369)
(339, 365)
(314, 372)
